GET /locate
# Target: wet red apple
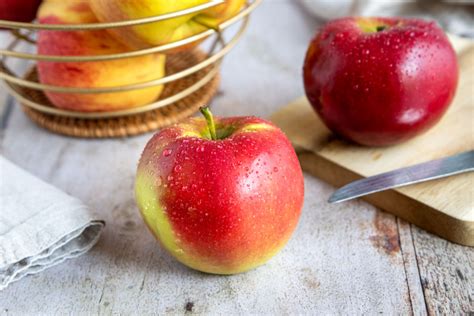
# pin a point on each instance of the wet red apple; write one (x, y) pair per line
(221, 197)
(380, 81)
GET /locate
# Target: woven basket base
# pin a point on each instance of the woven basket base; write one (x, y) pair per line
(134, 124)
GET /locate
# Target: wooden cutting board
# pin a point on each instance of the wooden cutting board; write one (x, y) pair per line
(445, 206)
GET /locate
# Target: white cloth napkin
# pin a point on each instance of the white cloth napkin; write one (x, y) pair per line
(455, 16)
(40, 226)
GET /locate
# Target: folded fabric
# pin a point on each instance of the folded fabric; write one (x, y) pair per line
(40, 226)
(456, 17)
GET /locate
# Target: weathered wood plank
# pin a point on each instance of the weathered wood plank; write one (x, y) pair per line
(417, 299)
(447, 274)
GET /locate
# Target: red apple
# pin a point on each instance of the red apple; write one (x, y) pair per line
(380, 81)
(220, 202)
(18, 10)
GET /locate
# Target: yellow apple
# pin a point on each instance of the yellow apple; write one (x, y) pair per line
(166, 31)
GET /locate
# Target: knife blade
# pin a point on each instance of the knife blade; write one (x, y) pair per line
(426, 171)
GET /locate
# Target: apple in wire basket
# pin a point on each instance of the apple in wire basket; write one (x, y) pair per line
(96, 74)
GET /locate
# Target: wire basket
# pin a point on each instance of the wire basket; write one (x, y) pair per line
(191, 77)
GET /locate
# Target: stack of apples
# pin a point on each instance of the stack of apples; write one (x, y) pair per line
(110, 73)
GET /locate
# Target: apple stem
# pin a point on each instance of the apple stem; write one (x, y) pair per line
(206, 112)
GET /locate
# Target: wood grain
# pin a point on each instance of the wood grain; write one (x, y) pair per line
(415, 287)
(447, 274)
(444, 206)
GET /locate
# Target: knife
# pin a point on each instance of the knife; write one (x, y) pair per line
(426, 171)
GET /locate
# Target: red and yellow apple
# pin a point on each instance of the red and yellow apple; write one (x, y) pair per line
(220, 197)
(18, 10)
(166, 31)
(95, 74)
(380, 81)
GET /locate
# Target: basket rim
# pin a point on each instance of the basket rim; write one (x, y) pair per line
(126, 126)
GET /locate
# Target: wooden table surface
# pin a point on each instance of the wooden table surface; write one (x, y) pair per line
(347, 258)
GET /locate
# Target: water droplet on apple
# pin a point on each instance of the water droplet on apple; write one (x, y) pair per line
(177, 168)
(167, 152)
(275, 169)
(367, 52)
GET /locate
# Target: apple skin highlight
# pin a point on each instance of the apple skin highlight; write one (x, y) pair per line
(220, 206)
(380, 81)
